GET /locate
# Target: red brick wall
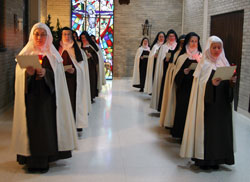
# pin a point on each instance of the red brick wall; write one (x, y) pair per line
(13, 44)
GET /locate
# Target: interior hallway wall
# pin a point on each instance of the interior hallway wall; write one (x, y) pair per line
(13, 42)
(193, 21)
(128, 20)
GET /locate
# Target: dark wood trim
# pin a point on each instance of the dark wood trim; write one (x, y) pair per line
(25, 21)
(2, 26)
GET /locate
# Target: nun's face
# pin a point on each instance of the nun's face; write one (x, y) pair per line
(215, 49)
(66, 35)
(161, 38)
(83, 38)
(193, 42)
(171, 37)
(181, 43)
(39, 36)
(145, 42)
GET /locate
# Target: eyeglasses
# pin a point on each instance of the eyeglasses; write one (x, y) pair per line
(41, 35)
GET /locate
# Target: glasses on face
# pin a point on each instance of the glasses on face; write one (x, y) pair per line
(66, 34)
(41, 35)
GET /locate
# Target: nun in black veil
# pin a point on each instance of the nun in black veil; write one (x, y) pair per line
(154, 50)
(190, 53)
(140, 64)
(174, 54)
(91, 49)
(161, 66)
(75, 76)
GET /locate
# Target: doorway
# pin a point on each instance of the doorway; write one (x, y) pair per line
(229, 27)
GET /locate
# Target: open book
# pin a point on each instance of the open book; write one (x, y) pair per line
(168, 55)
(224, 73)
(25, 61)
(66, 67)
(193, 66)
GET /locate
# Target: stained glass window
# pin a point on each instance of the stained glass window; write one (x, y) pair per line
(96, 17)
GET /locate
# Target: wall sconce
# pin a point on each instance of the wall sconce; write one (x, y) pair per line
(18, 24)
(146, 29)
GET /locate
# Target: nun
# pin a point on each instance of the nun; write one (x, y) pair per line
(101, 63)
(169, 87)
(168, 77)
(154, 50)
(208, 135)
(178, 102)
(73, 60)
(190, 53)
(161, 66)
(43, 123)
(91, 50)
(140, 64)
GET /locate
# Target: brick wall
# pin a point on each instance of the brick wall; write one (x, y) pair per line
(61, 10)
(163, 15)
(13, 44)
(193, 17)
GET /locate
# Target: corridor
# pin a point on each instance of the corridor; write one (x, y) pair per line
(124, 143)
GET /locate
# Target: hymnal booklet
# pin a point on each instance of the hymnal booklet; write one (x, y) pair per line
(25, 61)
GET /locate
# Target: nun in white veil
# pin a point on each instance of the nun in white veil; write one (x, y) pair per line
(208, 134)
(43, 122)
(140, 64)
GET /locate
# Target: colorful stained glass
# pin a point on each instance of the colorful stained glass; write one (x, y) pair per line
(96, 17)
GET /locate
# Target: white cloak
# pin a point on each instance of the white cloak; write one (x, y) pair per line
(193, 137)
(82, 98)
(136, 70)
(149, 75)
(101, 80)
(168, 86)
(158, 75)
(168, 107)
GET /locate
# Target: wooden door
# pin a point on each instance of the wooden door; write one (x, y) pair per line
(25, 21)
(229, 27)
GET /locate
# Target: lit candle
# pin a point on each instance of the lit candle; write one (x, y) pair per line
(40, 59)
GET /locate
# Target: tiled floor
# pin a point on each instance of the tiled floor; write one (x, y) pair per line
(124, 143)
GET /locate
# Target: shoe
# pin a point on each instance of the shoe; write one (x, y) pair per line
(32, 170)
(38, 170)
(79, 129)
(215, 167)
(205, 168)
(141, 90)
